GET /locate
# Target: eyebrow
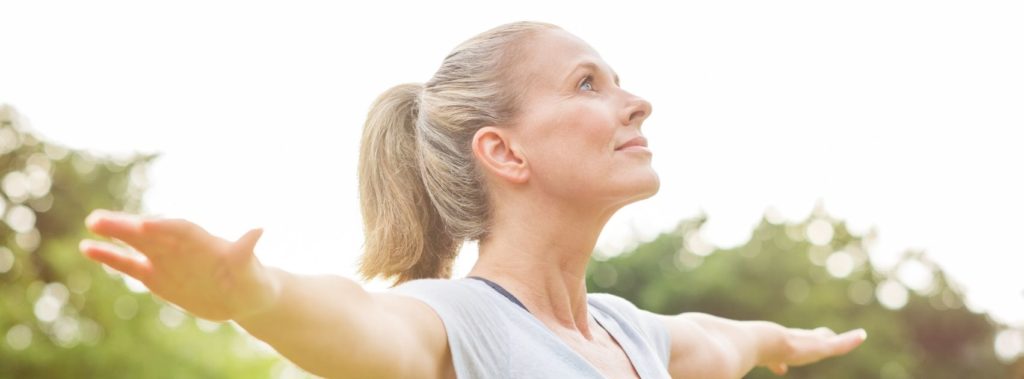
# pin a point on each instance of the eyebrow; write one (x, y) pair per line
(593, 66)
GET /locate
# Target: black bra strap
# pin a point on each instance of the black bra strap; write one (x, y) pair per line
(500, 290)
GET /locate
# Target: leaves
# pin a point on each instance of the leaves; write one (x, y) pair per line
(805, 276)
(63, 316)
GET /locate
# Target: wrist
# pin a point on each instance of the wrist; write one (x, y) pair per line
(772, 345)
(266, 297)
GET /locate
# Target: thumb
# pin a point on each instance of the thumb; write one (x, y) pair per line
(247, 243)
(779, 369)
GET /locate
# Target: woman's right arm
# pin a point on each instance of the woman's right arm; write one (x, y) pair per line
(332, 327)
(328, 325)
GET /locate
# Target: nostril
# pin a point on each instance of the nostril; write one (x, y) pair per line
(640, 114)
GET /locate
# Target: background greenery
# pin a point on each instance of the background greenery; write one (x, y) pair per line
(62, 316)
(788, 274)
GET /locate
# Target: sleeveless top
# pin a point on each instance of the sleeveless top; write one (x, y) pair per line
(492, 335)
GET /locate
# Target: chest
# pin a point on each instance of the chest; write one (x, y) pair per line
(606, 356)
(604, 353)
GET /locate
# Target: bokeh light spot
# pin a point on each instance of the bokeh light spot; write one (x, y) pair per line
(891, 294)
(15, 185)
(47, 308)
(20, 218)
(819, 232)
(6, 259)
(916, 276)
(66, 332)
(207, 325)
(19, 337)
(1009, 344)
(28, 241)
(8, 140)
(171, 317)
(773, 216)
(39, 181)
(696, 244)
(839, 264)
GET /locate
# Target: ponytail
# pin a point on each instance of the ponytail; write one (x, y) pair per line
(419, 187)
(405, 235)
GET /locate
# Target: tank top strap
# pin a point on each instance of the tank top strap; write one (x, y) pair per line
(500, 290)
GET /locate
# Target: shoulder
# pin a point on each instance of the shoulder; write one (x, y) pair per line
(466, 323)
(444, 295)
(622, 308)
(616, 302)
(420, 332)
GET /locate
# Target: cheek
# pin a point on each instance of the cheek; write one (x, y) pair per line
(576, 162)
(589, 126)
(574, 149)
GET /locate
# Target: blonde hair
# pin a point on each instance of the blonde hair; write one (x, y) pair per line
(420, 191)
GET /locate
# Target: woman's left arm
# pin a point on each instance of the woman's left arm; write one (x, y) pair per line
(707, 346)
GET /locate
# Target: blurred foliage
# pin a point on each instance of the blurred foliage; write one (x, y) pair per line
(809, 274)
(64, 316)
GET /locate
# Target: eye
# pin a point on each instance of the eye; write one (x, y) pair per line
(587, 83)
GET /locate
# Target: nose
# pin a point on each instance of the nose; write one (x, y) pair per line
(636, 110)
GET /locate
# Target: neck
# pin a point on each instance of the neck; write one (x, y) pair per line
(539, 253)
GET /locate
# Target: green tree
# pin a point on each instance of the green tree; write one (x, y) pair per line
(63, 316)
(809, 274)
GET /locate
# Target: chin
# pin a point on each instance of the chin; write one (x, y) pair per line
(653, 184)
(643, 187)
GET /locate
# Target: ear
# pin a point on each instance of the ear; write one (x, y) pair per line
(497, 155)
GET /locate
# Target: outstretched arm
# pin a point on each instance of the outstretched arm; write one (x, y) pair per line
(328, 325)
(706, 346)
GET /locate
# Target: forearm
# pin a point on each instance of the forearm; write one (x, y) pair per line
(328, 325)
(315, 321)
(743, 345)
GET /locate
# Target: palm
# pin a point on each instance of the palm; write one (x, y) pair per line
(208, 276)
(809, 346)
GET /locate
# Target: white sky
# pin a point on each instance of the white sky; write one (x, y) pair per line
(904, 116)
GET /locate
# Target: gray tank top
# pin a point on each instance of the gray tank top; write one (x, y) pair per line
(492, 335)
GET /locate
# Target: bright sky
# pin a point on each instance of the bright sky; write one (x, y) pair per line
(904, 116)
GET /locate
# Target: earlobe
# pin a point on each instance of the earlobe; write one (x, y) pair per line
(498, 156)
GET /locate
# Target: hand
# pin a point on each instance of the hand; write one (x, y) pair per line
(210, 277)
(801, 347)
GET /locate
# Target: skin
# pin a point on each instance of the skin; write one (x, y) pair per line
(557, 164)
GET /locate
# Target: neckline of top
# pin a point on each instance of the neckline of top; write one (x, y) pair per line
(603, 320)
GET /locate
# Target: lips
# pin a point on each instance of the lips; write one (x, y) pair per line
(638, 141)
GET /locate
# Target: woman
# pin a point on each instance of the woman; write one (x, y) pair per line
(524, 141)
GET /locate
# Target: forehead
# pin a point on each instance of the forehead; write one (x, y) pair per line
(552, 54)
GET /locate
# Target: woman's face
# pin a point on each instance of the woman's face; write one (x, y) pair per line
(574, 121)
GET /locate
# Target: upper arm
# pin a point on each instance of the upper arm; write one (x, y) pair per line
(696, 351)
(413, 339)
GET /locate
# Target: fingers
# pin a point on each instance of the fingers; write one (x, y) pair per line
(110, 255)
(845, 342)
(171, 227)
(811, 346)
(824, 331)
(779, 369)
(122, 226)
(150, 236)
